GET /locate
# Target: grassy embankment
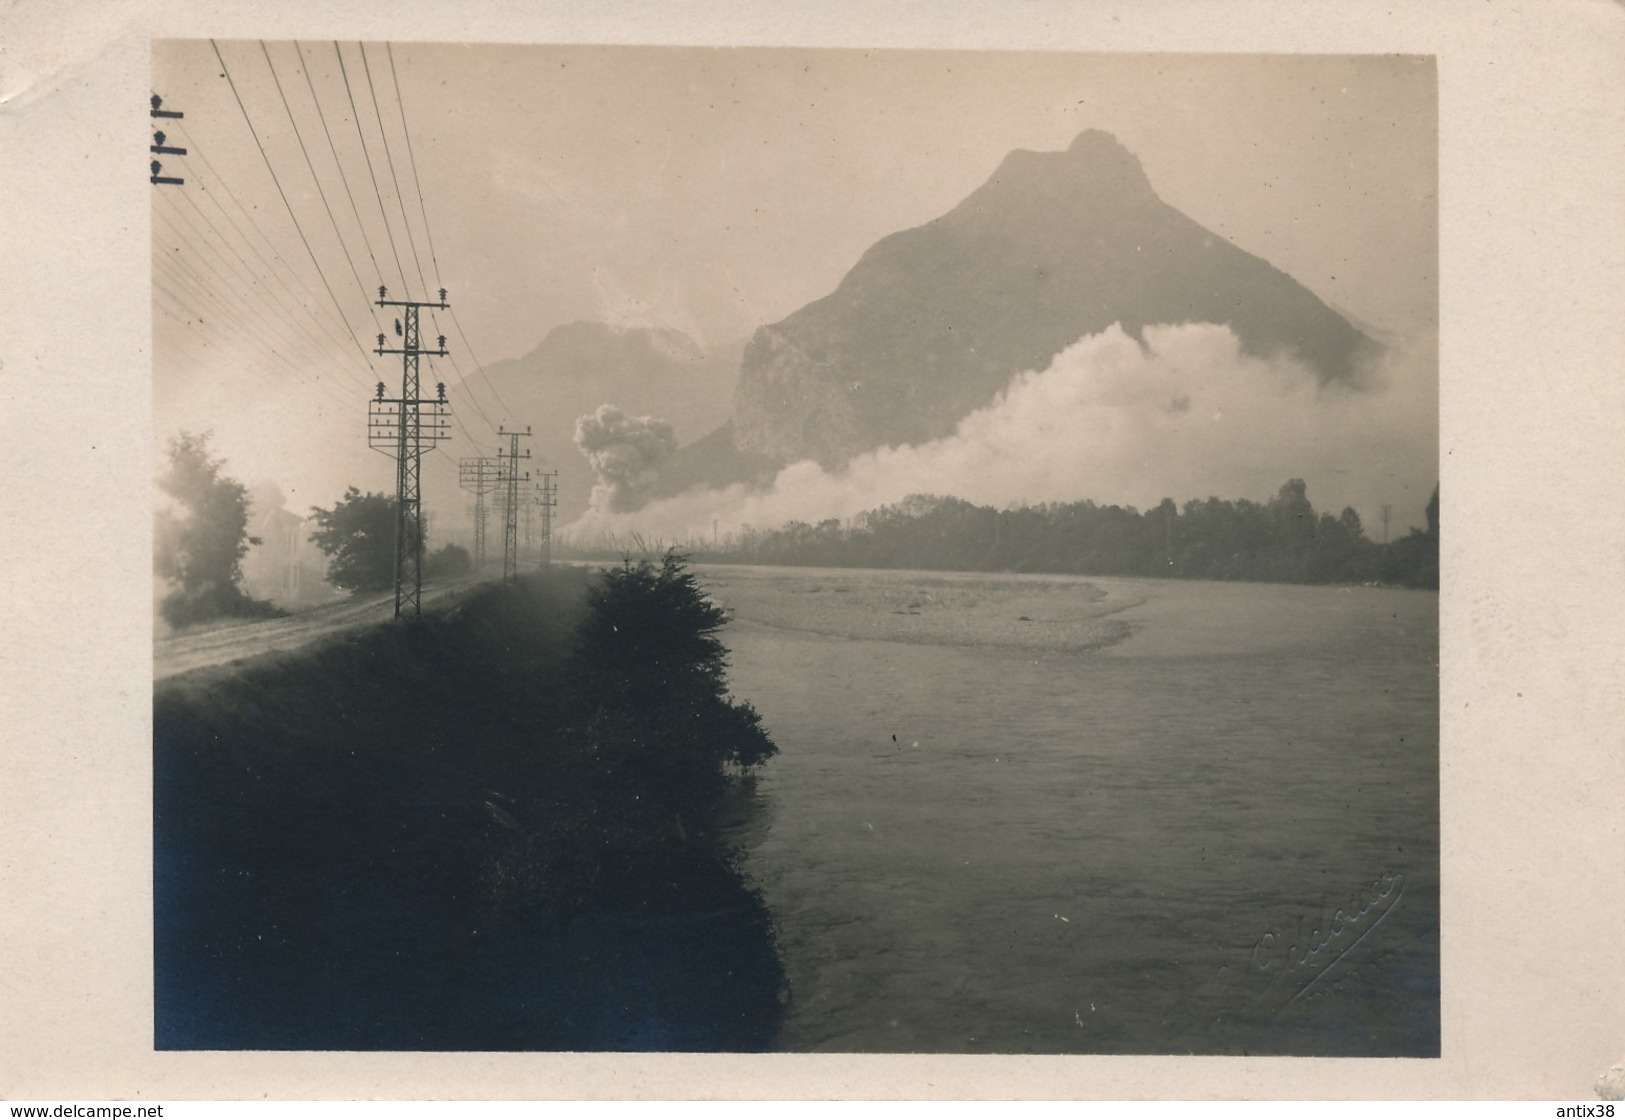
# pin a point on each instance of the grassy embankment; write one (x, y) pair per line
(495, 829)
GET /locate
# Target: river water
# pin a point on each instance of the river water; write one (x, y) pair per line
(1045, 814)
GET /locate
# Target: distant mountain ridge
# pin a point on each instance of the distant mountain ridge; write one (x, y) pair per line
(933, 322)
(576, 368)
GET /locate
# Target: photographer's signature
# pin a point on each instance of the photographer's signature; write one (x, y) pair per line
(1296, 967)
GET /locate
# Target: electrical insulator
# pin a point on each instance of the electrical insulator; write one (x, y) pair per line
(380, 390)
(382, 291)
(380, 342)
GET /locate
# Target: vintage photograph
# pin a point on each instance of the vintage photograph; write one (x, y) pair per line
(721, 549)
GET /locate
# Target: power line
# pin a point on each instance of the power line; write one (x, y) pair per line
(317, 345)
(205, 297)
(390, 159)
(245, 311)
(180, 236)
(253, 322)
(243, 306)
(245, 275)
(400, 103)
(360, 286)
(428, 231)
(332, 147)
(478, 365)
(472, 399)
(383, 211)
(194, 321)
(233, 342)
(215, 177)
(355, 115)
(283, 195)
(311, 339)
(465, 380)
(469, 436)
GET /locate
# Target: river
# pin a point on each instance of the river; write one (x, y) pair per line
(1046, 814)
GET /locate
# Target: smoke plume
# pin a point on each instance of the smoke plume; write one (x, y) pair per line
(1186, 415)
(626, 452)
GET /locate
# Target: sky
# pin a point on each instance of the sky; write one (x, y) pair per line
(707, 190)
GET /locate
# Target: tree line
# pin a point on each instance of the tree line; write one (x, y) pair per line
(1283, 540)
(199, 542)
(202, 541)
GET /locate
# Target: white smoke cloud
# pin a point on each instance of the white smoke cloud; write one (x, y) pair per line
(626, 452)
(1186, 416)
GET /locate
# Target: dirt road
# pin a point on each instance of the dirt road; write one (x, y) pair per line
(181, 653)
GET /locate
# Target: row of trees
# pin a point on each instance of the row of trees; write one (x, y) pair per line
(358, 538)
(1283, 540)
(200, 540)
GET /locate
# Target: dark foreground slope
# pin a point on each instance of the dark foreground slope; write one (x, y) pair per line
(464, 834)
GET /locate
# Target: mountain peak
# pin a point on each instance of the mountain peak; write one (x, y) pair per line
(1094, 140)
(1102, 160)
(932, 322)
(1095, 166)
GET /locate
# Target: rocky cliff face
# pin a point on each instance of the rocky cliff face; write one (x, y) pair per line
(933, 322)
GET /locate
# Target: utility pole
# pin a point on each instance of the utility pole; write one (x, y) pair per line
(531, 500)
(510, 476)
(402, 427)
(162, 147)
(1387, 512)
(549, 501)
(478, 475)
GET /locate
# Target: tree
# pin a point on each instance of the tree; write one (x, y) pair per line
(651, 673)
(447, 561)
(358, 537)
(1413, 560)
(199, 546)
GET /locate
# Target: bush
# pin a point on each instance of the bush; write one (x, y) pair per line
(447, 562)
(358, 537)
(648, 649)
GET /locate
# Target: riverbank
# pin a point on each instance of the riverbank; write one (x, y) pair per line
(1032, 612)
